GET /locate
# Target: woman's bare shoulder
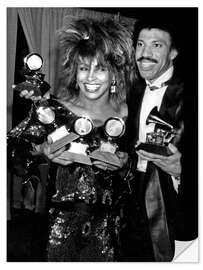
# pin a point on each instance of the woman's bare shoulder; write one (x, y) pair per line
(72, 105)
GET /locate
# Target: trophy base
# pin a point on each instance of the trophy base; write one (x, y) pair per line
(155, 149)
(75, 157)
(106, 157)
(63, 141)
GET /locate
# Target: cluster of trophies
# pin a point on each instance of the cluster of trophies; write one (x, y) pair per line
(82, 127)
(75, 137)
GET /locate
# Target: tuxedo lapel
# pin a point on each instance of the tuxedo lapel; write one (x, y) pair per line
(134, 107)
(171, 100)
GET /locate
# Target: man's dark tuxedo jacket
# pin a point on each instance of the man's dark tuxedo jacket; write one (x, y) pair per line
(178, 210)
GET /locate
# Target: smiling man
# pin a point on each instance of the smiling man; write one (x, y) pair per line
(154, 209)
(154, 53)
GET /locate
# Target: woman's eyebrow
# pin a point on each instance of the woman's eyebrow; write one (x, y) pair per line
(83, 63)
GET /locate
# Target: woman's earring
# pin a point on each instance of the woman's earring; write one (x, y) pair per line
(113, 87)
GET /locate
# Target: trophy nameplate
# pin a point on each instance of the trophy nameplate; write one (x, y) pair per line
(114, 128)
(158, 140)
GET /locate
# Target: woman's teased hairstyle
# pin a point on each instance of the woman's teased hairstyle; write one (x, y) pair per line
(109, 41)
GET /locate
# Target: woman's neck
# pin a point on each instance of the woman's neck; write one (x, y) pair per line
(93, 104)
(97, 110)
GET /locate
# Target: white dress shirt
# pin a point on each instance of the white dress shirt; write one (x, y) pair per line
(150, 100)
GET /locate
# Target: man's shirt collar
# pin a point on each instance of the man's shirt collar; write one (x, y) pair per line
(160, 82)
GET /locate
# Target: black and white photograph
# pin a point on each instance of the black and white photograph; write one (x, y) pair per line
(102, 134)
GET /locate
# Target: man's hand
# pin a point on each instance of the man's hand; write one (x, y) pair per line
(170, 164)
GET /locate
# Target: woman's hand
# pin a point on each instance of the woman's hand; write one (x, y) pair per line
(29, 95)
(55, 157)
(122, 156)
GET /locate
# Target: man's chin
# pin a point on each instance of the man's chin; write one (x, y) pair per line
(146, 75)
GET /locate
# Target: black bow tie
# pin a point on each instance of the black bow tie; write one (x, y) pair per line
(154, 87)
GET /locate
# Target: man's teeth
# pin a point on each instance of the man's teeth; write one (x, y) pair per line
(147, 64)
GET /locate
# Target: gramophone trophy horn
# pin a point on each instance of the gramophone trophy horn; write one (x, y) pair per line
(155, 117)
(158, 140)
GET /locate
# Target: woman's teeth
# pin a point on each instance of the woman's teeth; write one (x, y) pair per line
(92, 87)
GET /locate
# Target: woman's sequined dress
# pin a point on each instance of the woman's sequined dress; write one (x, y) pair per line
(86, 210)
(86, 215)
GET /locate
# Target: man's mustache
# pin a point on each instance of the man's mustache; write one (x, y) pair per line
(148, 59)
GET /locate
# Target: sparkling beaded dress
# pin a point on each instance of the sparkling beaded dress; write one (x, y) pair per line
(86, 209)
